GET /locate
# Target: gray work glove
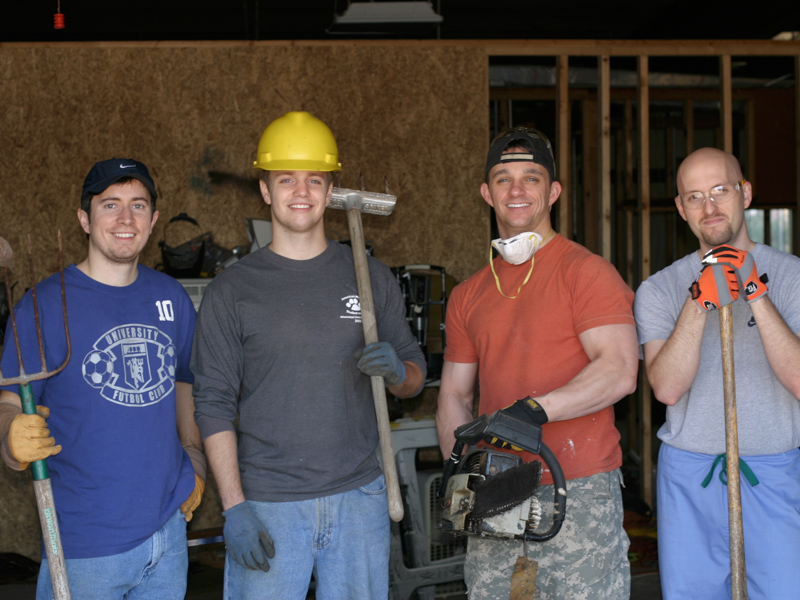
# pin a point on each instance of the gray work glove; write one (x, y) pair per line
(379, 359)
(246, 538)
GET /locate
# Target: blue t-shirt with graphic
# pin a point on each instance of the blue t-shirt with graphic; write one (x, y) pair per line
(122, 472)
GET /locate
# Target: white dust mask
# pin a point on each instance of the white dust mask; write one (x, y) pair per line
(516, 250)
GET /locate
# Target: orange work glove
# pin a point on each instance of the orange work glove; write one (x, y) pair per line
(193, 501)
(29, 438)
(753, 286)
(716, 286)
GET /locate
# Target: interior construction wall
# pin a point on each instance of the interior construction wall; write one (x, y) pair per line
(194, 114)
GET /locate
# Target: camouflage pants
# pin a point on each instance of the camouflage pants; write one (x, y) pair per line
(587, 560)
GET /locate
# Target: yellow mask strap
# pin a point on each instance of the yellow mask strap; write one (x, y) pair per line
(550, 234)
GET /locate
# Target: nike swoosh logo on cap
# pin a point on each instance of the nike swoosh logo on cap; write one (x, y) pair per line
(126, 166)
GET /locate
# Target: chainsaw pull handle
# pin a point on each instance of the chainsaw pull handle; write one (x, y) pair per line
(450, 466)
(560, 496)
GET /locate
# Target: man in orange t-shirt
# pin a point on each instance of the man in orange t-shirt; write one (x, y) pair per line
(562, 333)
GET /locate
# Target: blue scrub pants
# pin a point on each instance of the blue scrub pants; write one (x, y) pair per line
(693, 532)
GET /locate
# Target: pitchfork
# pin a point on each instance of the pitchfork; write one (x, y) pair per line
(41, 475)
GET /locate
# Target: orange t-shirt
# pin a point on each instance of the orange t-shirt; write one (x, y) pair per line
(530, 345)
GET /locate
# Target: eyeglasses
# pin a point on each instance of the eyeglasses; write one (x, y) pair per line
(719, 194)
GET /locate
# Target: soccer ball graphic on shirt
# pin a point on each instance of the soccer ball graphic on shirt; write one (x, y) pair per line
(170, 359)
(132, 365)
(98, 368)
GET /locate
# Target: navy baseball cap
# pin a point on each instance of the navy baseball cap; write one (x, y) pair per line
(536, 144)
(108, 172)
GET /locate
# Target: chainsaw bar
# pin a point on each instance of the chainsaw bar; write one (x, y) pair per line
(504, 491)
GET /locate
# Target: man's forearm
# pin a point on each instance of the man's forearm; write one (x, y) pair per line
(10, 407)
(781, 344)
(222, 454)
(611, 374)
(450, 415)
(411, 385)
(672, 366)
(188, 433)
(454, 406)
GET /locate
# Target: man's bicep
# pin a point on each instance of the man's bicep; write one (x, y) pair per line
(617, 340)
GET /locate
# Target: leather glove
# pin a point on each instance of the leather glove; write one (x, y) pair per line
(246, 538)
(754, 287)
(527, 410)
(29, 438)
(193, 501)
(379, 359)
(716, 286)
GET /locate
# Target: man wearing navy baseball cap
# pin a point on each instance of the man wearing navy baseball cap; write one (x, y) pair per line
(128, 469)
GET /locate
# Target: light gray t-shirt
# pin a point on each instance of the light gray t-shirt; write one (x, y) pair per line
(768, 415)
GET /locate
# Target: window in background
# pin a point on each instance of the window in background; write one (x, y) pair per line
(771, 226)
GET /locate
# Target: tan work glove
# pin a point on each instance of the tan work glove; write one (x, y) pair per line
(193, 501)
(29, 438)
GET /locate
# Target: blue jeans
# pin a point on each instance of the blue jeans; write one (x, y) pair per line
(343, 540)
(156, 568)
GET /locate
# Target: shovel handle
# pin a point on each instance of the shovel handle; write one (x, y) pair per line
(738, 572)
(378, 388)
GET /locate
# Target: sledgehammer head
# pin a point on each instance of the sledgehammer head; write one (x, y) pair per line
(371, 203)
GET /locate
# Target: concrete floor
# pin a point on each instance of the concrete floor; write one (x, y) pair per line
(205, 583)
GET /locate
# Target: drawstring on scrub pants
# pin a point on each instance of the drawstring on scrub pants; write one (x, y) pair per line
(723, 474)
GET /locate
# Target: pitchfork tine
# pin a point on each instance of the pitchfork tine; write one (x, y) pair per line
(35, 308)
(24, 377)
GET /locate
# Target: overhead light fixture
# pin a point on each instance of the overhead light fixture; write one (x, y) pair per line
(385, 17)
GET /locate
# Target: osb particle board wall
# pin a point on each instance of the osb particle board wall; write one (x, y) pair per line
(194, 115)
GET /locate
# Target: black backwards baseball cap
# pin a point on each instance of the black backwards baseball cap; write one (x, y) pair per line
(108, 172)
(535, 142)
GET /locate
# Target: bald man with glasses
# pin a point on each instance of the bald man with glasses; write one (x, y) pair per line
(682, 354)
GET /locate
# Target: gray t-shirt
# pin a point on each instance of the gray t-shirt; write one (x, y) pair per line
(768, 415)
(274, 345)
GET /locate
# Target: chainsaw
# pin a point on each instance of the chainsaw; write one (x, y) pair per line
(493, 494)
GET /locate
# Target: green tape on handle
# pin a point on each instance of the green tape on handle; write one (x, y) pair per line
(39, 467)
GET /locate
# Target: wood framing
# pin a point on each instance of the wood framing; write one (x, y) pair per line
(563, 134)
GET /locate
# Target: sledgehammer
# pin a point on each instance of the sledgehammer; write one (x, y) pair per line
(355, 202)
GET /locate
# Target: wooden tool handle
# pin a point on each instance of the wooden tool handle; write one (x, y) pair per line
(738, 572)
(46, 506)
(52, 539)
(378, 389)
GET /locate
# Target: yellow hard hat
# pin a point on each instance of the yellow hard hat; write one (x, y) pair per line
(297, 141)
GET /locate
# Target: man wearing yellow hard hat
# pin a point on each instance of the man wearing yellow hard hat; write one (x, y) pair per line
(276, 340)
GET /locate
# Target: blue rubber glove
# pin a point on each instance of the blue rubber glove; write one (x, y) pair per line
(379, 359)
(246, 538)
